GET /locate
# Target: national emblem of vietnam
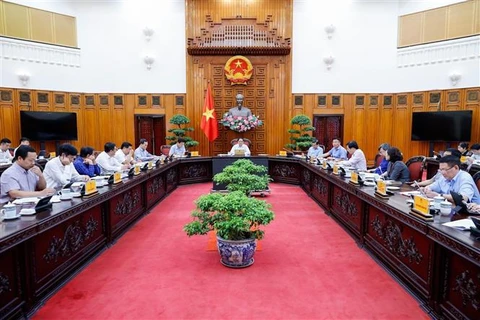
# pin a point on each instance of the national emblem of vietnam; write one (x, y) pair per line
(238, 70)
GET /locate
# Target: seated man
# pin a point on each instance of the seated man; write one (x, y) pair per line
(141, 153)
(337, 152)
(125, 154)
(240, 146)
(23, 179)
(60, 170)
(475, 153)
(107, 162)
(23, 142)
(86, 164)
(315, 150)
(357, 160)
(448, 152)
(178, 149)
(5, 155)
(453, 179)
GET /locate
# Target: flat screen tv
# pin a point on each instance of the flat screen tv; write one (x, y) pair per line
(442, 126)
(48, 126)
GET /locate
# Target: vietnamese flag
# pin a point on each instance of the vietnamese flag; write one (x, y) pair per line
(209, 122)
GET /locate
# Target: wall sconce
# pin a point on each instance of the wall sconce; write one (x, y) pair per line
(330, 29)
(329, 61)
(148, 33)
(454, 78)
(149, 60)
(24, 77)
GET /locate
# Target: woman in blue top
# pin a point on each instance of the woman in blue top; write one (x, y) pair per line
(397, 170)
(85, 163)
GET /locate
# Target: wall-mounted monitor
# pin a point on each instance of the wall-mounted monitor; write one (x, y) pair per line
(48, 126)
(442, 126)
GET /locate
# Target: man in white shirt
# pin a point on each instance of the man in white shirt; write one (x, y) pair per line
(60, 170)
(141, 153)
(23, 142)
(178, 149)
(107, 162)
(5, 155)
(240, 146)
(357, 160)
(125, 154)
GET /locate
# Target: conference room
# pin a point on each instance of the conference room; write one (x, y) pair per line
(198, 85)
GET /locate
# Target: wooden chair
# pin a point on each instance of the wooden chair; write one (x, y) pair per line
(378, 159)
(246, 141)
(165, 149)
(415, 165)
(476, 178)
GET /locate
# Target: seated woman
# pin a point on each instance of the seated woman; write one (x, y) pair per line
(85, 163)
(463, 148)
(397, 170)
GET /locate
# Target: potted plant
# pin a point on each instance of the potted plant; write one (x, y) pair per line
(236, 218)
(300, 138)
(245, 176)
(181, 130)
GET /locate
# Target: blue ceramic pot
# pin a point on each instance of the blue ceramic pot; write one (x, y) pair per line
(236, 253)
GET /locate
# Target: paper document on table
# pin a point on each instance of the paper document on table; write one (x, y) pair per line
(410, 193)
(26, 200)
(463, 224)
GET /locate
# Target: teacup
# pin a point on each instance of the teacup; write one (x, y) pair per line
(9, 211)
(445, 208)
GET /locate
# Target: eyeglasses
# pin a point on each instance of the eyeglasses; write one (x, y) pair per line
(444, 169)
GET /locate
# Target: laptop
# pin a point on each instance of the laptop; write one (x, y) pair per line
(43, 204)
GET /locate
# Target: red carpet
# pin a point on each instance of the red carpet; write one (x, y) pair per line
(309, 268)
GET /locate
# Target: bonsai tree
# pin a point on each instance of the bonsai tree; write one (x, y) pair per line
(300, 137)
(181, 130)
(245, 176)
(234, 216)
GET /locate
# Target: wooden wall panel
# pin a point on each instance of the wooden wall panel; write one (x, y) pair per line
(17, 24)
(449, 22)
(461, 20)
(42, 25)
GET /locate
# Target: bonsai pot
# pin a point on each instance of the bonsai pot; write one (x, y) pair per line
(236, 253)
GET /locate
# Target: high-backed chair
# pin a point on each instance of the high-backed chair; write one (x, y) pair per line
(415, 166)
(165, 149)
(378, 159)
(246, 141)
(476, 178)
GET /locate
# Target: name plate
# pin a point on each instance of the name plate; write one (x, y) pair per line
(282, 153)
(421, 204)
(324, 164)
(194, 153)
(136, 171)
(354, 178)
(382, 187)
(463, 159)
(117, 177)
(335, 169)
(150, 165)
(90, 187)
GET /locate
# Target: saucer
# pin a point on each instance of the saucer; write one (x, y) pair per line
(66, 198)
(11, 218)
(76, 194)
(27, 212)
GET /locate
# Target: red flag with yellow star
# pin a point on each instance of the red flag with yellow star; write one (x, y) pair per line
(209, 122)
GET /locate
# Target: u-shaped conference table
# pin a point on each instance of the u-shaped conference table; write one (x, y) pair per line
(437, 264)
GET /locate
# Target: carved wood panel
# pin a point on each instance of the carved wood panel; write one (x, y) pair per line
(125, 207)
(10, 287)
(156, 189)
(348, 208)
(254, 98)
(461, 288)
(59, 246)
(320, 190)
(409, 249)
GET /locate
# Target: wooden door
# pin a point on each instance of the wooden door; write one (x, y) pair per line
(328, 128)
(151, 128)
